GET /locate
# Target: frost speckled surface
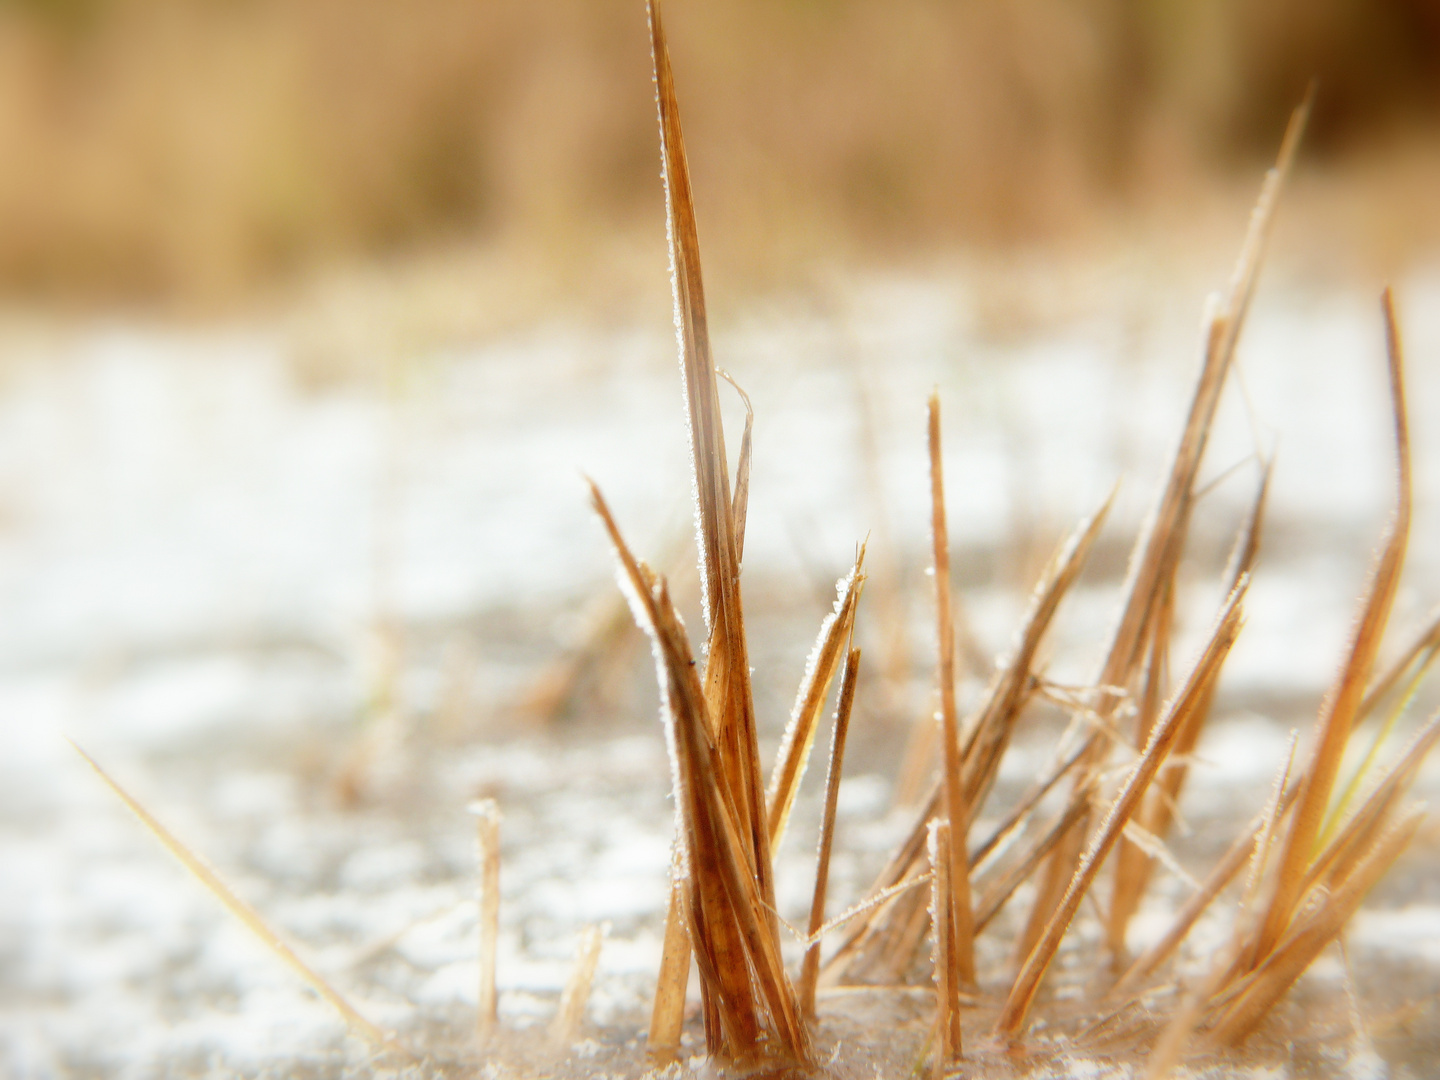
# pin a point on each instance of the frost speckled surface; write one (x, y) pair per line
(194, 550)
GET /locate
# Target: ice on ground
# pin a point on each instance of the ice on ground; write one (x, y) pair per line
(198, 557)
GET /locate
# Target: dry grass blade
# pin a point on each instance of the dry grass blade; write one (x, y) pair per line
(947, 964)
(707, 436)
(715, 869)
(1418, 655)
(810, 968)
(1241, 851)
(1283, 965)
(1338, 713)
(1014, 679)
(1156, 849)
(727, 671)
(639, 579)
(728, 696)
(1262, 220)
(856, 910)
(1132, 865)
(1359, 831)
(1160, 546)
(718, 948)
(1246, 551)
(1197, 686)
(957, 812)
(570, 1016)
(487, 842)
(250, 917)
(667, 1011)
(1282, 798)
(716, 858)
(820, 672)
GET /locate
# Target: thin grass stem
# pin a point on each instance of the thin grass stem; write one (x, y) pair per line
(810, 968)
(250, 917)
(487, 841)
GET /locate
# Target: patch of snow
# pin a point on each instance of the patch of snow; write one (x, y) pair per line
(1411, 932)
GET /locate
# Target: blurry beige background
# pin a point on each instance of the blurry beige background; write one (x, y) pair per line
(196, 153)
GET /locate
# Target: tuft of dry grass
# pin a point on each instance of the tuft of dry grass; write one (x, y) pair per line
(954, 884)
(725, 843)
(726, 832)
(891, 934)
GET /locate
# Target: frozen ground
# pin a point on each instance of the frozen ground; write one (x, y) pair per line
(300, 622)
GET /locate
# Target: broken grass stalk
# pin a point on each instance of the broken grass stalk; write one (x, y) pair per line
(570, 1016)
(957, 813)
(487, 842)
(820, 670)
(948, 1049)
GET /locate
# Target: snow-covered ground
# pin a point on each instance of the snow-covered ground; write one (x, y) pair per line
(297, 622)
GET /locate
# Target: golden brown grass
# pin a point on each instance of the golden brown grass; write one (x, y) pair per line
(953, 884)
(727, 894)
(1299, 896)
(835, 634)
(487, 843)
(381, 1041)
(810, 969)
(946, 959)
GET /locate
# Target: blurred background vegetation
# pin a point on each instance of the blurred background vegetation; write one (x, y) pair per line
(194, 152)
